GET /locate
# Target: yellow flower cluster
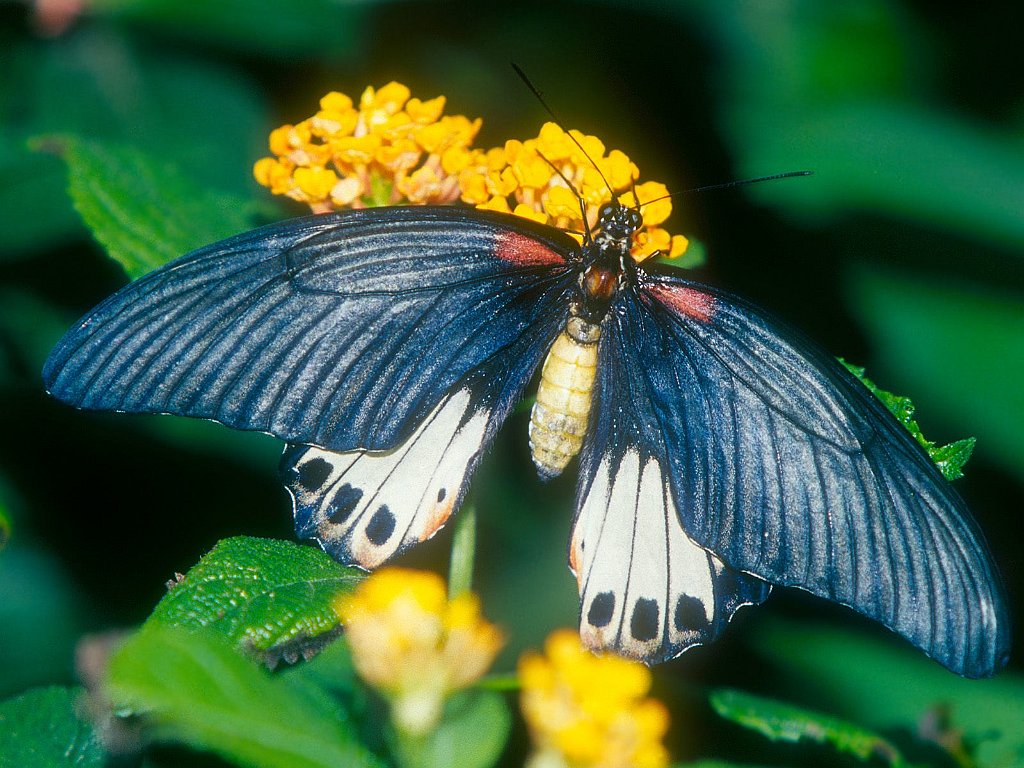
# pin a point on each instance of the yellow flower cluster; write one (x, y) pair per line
(587, 711)
(529, 178)
(390, 148)
(393, 148)
(413, 644)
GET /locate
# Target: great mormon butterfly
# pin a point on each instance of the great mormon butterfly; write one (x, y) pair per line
(721, 452)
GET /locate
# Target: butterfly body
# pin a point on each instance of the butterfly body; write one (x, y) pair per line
(720, 452)
(561, 413)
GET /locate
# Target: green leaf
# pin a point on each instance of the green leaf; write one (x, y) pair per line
(381, 189)
(32, 198)
(472, 734)
(41, 618)
(806, 51)
(921, 164)
(950, 459)
(332, 672)
(193, 688)
(782, 722)
(144, 211)
(696, 255)
(957, 347)
(5, 525)
(202, 116)
(270, 27)
(210, 119)
(460, 567)
(824, 87)
(29, 327)
(40, 729)
(886, 685)
(716, 764)
(265, 594)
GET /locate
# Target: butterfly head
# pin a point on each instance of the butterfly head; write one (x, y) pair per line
(607, 260)
(616, 225)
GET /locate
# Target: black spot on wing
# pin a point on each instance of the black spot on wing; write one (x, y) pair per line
(344, 501)
(381, 526)
(441, 494)
(314, 473)
(644, 623)
(601, 609)
(689, 614)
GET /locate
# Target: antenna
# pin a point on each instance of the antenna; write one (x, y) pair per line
(708, 188)
(731, 184)
(551, 112)
(570, 185)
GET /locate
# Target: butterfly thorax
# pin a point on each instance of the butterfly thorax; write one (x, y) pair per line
(561, 413)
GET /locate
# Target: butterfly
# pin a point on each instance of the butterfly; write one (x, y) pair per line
(720, 452)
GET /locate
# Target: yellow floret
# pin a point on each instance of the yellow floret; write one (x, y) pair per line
(391, 147)
(588, 711)
(413, 644)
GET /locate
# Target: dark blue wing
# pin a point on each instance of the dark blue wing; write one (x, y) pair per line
(786, 467)
(646, 588)
(341, 330)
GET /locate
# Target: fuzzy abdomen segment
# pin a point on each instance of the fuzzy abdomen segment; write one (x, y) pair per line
(560, 415)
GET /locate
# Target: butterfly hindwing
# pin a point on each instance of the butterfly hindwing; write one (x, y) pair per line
(364, 507)
(787, 467)
(646, 589)
(340, 330)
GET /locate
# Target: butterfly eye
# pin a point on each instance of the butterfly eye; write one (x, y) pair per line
(635, 219)
(606, 211)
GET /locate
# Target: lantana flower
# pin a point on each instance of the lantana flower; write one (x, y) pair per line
(392, 148)
(389, 148)
(590, 711)
(413, 644)
(532, 179)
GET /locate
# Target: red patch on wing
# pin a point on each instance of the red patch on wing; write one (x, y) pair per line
(438, 517)
(686, 301)
(524, 251)
(576, 558)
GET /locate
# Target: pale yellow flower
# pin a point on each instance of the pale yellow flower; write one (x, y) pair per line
(413, 644)
(589, 711)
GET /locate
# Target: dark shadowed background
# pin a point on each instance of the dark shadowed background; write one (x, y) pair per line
(904, 252)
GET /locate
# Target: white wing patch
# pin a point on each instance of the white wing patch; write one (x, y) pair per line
(646, 590)
(363, 507)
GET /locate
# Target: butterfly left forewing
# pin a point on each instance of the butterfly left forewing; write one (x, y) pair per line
(341, 330)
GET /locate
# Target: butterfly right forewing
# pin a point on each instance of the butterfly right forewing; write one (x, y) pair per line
(787, 467)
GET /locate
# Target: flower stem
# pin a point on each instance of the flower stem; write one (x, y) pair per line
(460, 570)
(496, 682)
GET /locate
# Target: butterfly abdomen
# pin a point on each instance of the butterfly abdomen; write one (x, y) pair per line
(562, 410)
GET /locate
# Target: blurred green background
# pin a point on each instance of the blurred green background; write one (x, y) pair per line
(903, 252)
